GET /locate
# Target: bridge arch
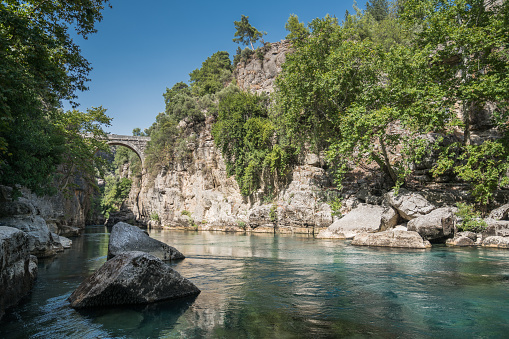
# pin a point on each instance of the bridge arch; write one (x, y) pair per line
(137, 144)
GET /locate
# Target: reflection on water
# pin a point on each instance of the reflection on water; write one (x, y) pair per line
(266, 286)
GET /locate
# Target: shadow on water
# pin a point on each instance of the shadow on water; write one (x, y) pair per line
(139, 321)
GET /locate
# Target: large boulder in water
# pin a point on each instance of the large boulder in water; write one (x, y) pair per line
(125, 237)
(364, 218)
(392, 238)
(18, 269)
(436, 225)
(131, 278)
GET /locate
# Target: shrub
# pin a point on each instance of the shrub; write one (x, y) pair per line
(471, 219)
(186, 212)
(154, 216)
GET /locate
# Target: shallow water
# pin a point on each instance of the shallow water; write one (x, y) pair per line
(266, 286)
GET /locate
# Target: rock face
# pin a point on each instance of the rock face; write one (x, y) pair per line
(436, 225)
(131, 278)
(364, 218)
(125, 237)
(21, 214)
(500, 213)
(257, 75)
(409, 205)
(18, 269)
(391, 238)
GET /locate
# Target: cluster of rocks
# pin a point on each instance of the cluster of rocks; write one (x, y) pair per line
(134, 273)
(408, 220)
(24, 236)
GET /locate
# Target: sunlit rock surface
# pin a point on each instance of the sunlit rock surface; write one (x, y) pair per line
(125, 237)
(132, 278)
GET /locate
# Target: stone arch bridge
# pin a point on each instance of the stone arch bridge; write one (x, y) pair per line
(137, 144)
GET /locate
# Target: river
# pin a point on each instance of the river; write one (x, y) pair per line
(282, 286)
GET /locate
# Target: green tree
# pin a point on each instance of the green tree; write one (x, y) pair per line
(213, 74)
(378, 9)
(245, 135)
(245, 33)
(298, 30)
(39, 67)
(465, 46)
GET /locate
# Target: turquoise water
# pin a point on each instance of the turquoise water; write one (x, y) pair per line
(265, 286)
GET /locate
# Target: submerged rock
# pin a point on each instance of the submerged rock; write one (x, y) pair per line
(125, 237)
(131, 278)
(18, 269)
(391, 238)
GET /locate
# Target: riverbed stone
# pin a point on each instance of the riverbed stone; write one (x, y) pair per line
(391, 238)
(132, 278)
(18, 269)
(496, 242)
(437, 225)
(460, 241)
(364, 218)
(409, 204)
(125, 237)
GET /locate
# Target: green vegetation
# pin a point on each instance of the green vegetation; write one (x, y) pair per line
(241, 224)
(245, 33)
(245, 135)
(115, 192)
(471, 220)
(186, 213)
(273, 213)
(154, 216)
(41, 66)
(298, 31)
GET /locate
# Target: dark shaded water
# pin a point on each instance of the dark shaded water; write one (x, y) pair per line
(265, 286)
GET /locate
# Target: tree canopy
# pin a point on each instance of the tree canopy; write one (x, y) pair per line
(245, 33)
(40, 66)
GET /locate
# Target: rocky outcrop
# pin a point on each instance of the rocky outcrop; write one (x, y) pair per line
(125, 238)
(364, 218)
(257, 75)
(131, 278)
(409, 205)
(18, 269)
(496, 242)
(460, 240)
(392, 238)
(21, 214)
(437, 225)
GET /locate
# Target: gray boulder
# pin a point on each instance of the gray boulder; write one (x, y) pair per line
(131, 278)
(496, 242)
(498, 228)
(41, 242)
(409, 205)
(18, 269)
(364, 218)
(125, 237)
(391, 238)
(500, 213)
(460, 241)
(436, 225)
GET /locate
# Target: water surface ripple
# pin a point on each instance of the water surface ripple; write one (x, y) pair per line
(283, 286)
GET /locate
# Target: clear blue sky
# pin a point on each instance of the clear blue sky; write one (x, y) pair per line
(143, 47)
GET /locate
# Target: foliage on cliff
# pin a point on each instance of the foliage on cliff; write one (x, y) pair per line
(39, 67)
(245, 134)
(188, 104)
(373, 88)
